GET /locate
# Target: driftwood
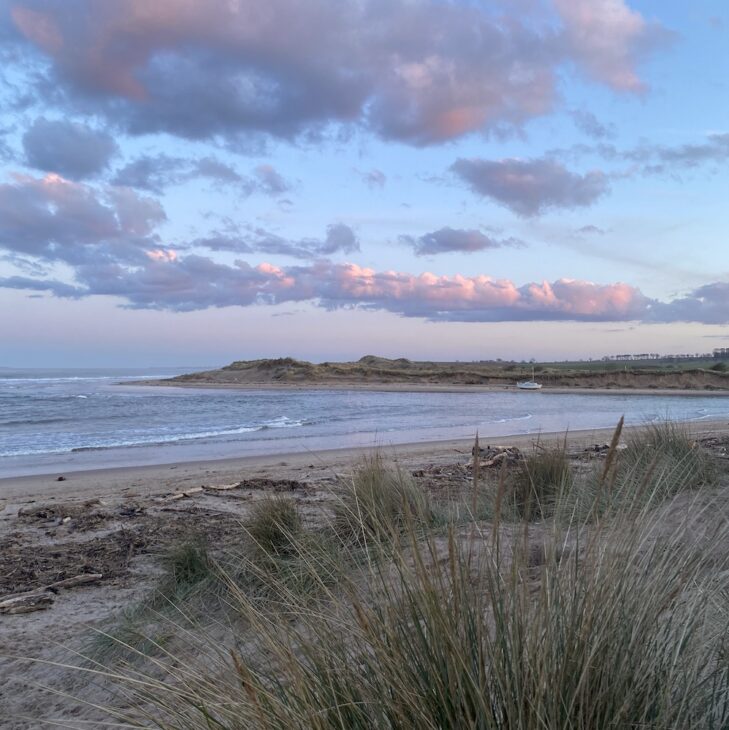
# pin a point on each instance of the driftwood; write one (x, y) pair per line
(42, 598)
(182, 495)
(26, 603)
(76, 580)
(492, 456)
(222, 487)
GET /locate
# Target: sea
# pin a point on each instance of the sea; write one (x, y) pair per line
(56, 421)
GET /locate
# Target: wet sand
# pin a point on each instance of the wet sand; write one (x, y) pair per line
(156, 479)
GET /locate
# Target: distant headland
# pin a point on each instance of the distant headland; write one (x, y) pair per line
(400, 373)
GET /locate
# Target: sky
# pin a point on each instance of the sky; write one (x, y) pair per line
(189, 182)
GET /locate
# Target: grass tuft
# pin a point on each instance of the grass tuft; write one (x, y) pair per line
(274, 525)
(665, 457)
(187, 568)
(539, 481)
(616, 622)
(377, 502)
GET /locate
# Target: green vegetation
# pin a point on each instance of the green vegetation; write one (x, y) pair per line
(274, 525)
(376, 503)
(693, 373)
(591, 599)
(187, 567)
(539, 481)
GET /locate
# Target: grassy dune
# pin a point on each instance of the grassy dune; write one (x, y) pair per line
(544, 596)
(371, 370)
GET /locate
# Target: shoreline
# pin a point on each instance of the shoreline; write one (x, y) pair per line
(126, 481)
(429, 388)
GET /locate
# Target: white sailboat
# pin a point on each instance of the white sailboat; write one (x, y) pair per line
(529, 384)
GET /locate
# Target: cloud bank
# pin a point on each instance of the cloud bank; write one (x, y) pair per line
(107, 242)
(417, 71)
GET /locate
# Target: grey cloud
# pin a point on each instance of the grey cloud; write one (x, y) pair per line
(158, 172)
(153, 173)
(655, 159)
(374, 178)
(708, 304)
(664, 158)
(419, 72)
(449, 240)
(591, 230)
(68, 148)
(57, 288)
(270, 181)
(339, 238)
(222, 242)
(530, 187)
(588, 123)
(214, 169)
(6, 153)
(58, 220)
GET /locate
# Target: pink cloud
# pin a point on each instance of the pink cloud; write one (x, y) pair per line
(419, 71)
(608, 39)
(196, 282)
(164, 280)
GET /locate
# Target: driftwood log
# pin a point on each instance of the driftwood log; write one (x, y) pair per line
(182, 495)
(222, 487)
(25, 603)
(42, 598)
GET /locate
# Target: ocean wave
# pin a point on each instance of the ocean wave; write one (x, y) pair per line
(513, 418)
(77, 378)
(33, 421)
(160, 440)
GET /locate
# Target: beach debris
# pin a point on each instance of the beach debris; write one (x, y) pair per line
(275, 485)
(76, 580)
(26, 603)
(601, 450)
(598, 448)
(130, 510)
(493, 456)
(182, 495)
(42, 598)
(84, 517)
(441, 471)
(222, 487)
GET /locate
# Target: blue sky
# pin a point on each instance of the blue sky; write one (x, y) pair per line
(195, 183)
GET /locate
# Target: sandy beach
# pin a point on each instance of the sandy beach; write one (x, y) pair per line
(115, 523)
(144, 481)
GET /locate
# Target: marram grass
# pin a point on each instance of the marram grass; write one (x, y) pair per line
(618, 620)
